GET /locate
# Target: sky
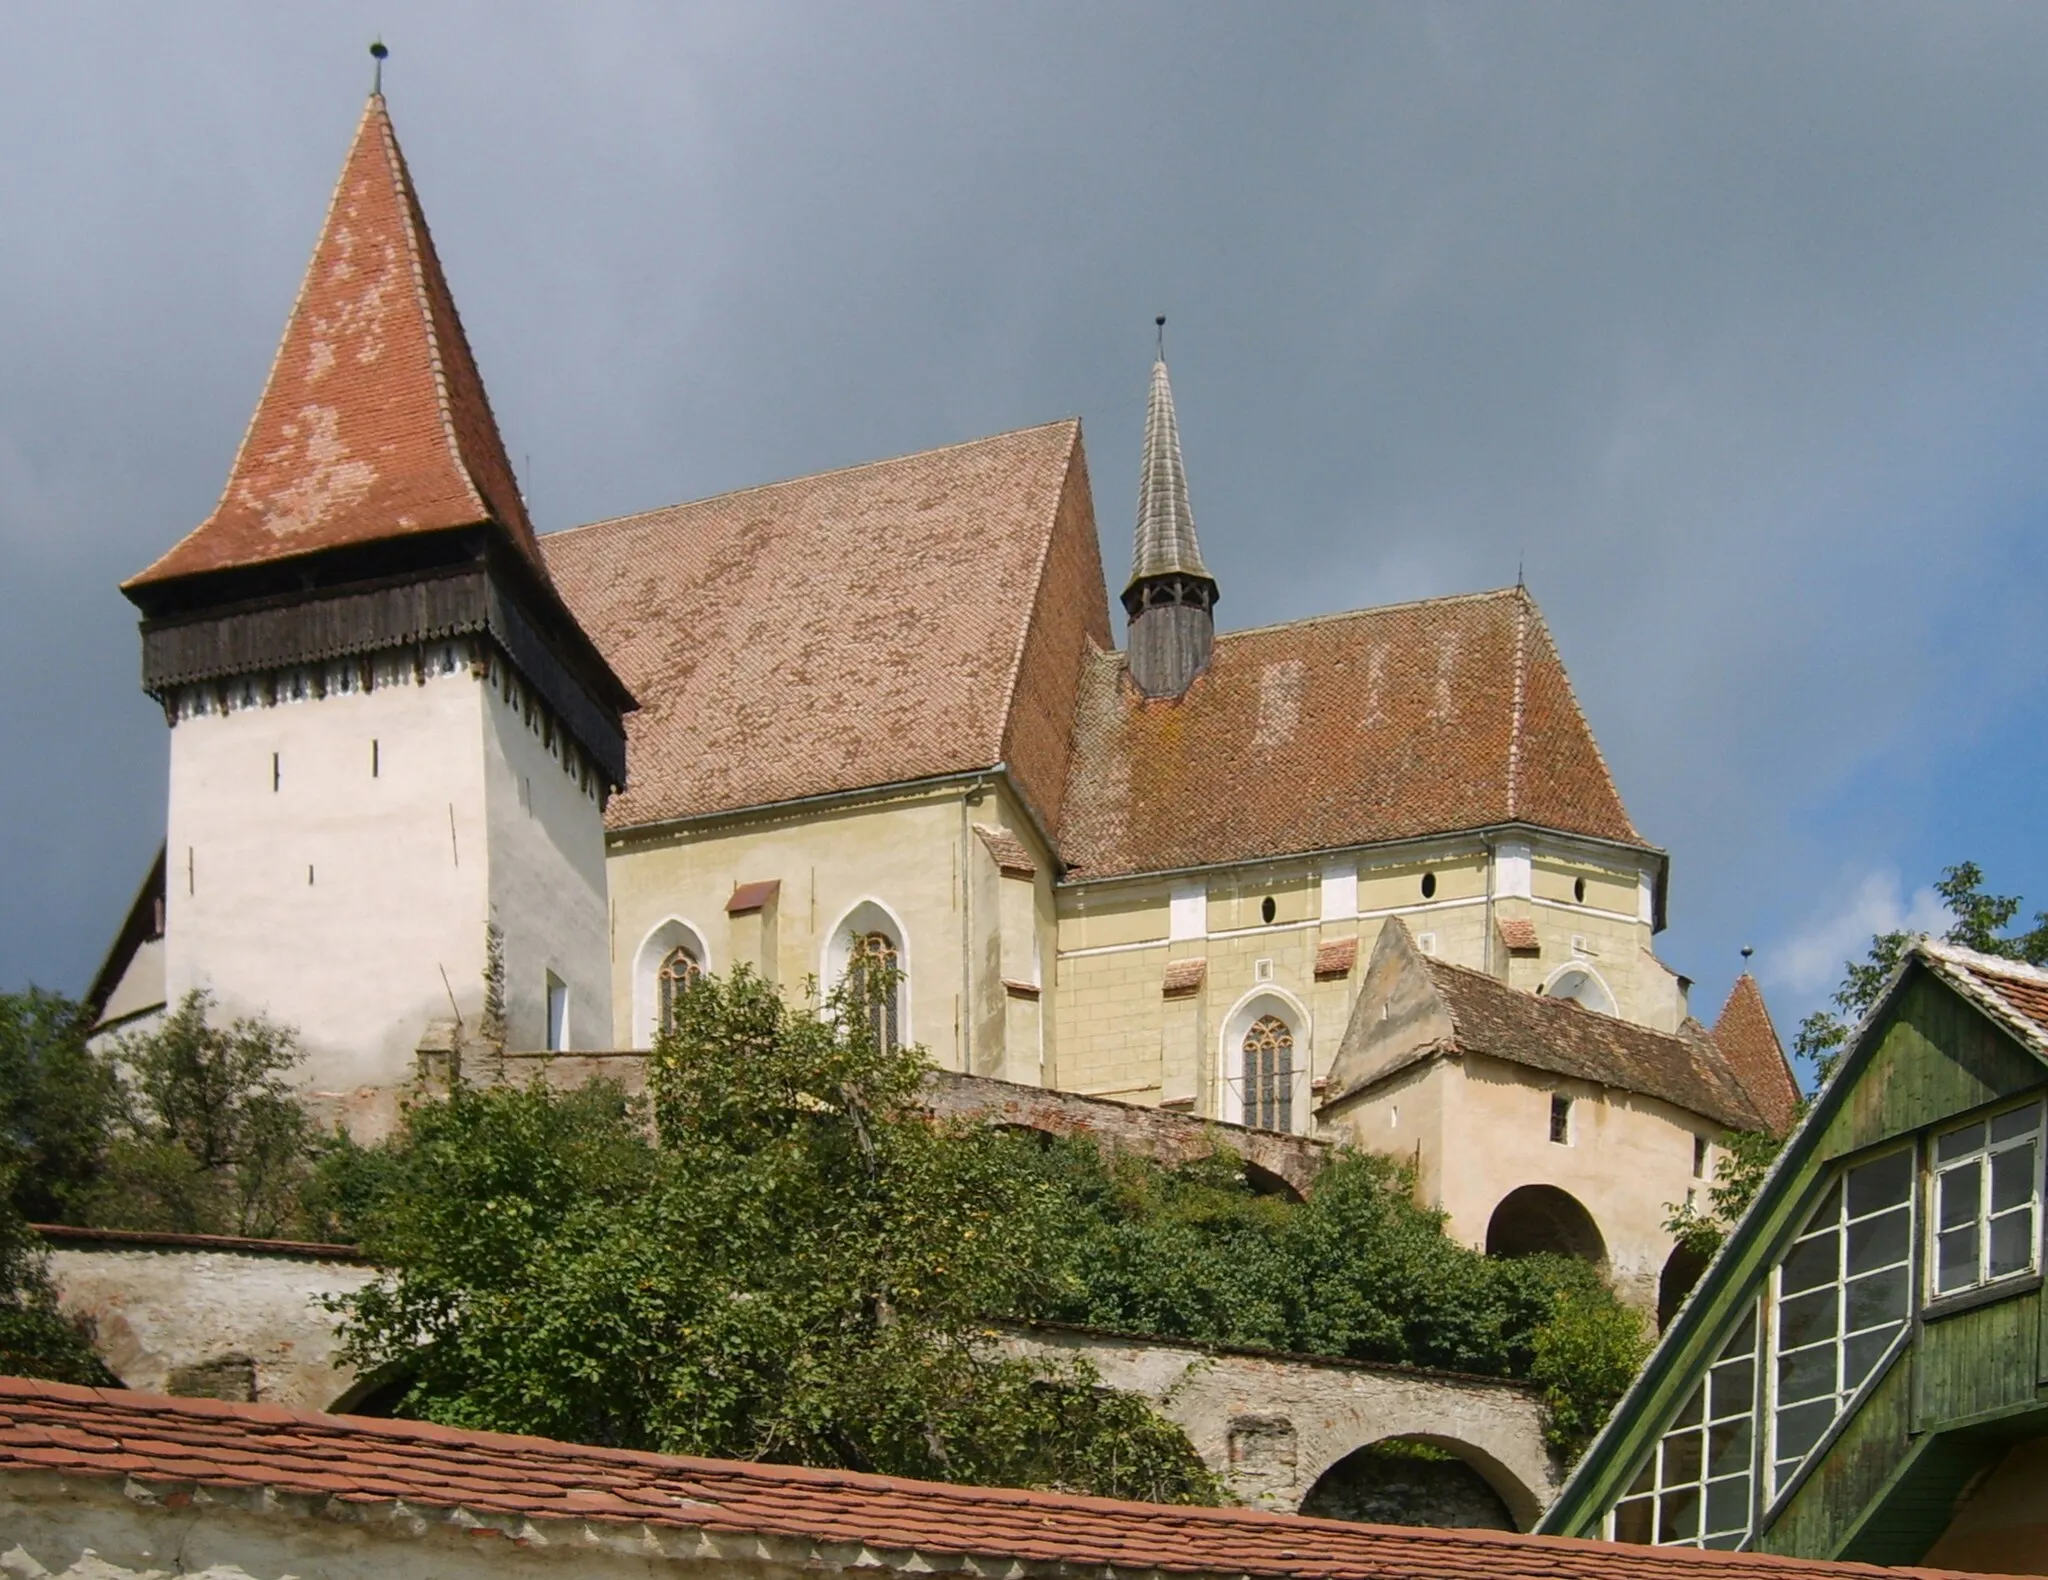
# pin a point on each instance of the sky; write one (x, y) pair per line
(1727, 326)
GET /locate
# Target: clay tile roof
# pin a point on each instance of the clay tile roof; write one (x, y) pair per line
(1749, 1041)
(1183, 977)
(1391, 723)
(1335, 959)
(2013, 992)
(257, 1459)
(896, 621)
(1687, 1070)
(752, 896)
(1011, 858)
(1518, 935)
(374, 423)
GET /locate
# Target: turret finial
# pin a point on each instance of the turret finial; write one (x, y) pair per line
(379, 54)
(1160, 324)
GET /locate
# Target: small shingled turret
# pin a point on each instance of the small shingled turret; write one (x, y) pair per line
(1171, 597)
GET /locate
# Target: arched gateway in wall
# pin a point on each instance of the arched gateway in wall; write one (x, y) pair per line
(1536, 1218)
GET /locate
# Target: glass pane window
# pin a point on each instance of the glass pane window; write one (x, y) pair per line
(877, 974)
(1843, 1294)
(1694, 1490)
(680, 969)
(1987, 1201)
(1269, 1074)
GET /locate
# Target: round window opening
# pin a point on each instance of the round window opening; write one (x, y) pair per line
(1429, 885)
(1268, 909)
(1579, 890)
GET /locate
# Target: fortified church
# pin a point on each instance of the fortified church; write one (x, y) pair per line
(438, 780)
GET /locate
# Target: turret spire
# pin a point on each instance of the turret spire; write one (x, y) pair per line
(374, 424)
(1171, 595)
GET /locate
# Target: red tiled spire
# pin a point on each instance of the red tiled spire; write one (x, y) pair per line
(1749, 1041)
(374, 423)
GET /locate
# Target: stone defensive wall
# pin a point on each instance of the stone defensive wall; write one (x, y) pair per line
(205, 1316)
(1274, 1160)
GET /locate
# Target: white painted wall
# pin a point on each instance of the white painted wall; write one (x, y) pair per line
(354, 959)
(352, 904)
(547, 866)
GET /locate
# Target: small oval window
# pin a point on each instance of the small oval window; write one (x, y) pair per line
(1429, 885)
(1268, 909)
(1579, 890)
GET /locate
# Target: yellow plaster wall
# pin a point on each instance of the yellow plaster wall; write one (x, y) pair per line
(908, 855)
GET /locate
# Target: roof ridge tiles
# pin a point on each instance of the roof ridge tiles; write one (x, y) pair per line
(1340, 616)
(561, 533)
(1978, 960)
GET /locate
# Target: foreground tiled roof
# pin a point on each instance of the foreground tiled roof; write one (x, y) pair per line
(374, 423)
(1566, 1038)
(1745, 1034)
(2013, 993)
(1385, 724)
(890, 622)
(391, 1479)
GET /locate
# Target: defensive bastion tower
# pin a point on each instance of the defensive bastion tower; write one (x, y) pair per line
(391, 743)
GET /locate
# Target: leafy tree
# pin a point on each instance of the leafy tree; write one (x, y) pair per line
(208, 1137)
(795, 1267)
(36, 1338)
(56, 1101)
(1977, 921)
(1585, 1356)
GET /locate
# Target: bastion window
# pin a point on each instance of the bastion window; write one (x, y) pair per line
(679, 971)
(878, 985)
(1844, 1292)
(1561, 1119)
(1987, 1201)
(558, 1014)
(1269, 1074)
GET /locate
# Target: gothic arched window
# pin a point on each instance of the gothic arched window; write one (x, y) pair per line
(876, 970)
(679, 971)
(1269, 1074)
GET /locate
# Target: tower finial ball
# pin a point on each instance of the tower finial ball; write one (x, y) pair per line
(377, 49)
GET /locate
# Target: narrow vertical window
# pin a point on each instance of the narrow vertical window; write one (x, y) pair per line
(276, 772)
(1560, 1119)
(1699, 1157)
(680, 968)
(1695, 1488)
(373, 757)
(878, 985)
(1987, 1201)
(1269, 1074)
(1844, 1292)
(558, 1014)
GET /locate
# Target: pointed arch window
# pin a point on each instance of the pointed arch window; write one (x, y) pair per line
(875, 969)
(1269, 1074)
(679, 971)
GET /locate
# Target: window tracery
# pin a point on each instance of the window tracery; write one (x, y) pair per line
(875, 970)
(679, 971)
(1269, 1074)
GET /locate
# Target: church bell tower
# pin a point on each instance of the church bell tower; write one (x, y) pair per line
(1171, 597)
(391, 743)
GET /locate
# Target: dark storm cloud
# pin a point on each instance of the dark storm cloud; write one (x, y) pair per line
(1731, 323)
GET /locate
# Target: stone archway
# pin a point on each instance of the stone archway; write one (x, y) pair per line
(1419, 1479)
(1536, 1218)
(1682, 1270)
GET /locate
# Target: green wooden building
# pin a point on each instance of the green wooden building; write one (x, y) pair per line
(1863, 1371)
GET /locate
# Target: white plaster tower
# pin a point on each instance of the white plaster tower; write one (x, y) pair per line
(391, 743)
